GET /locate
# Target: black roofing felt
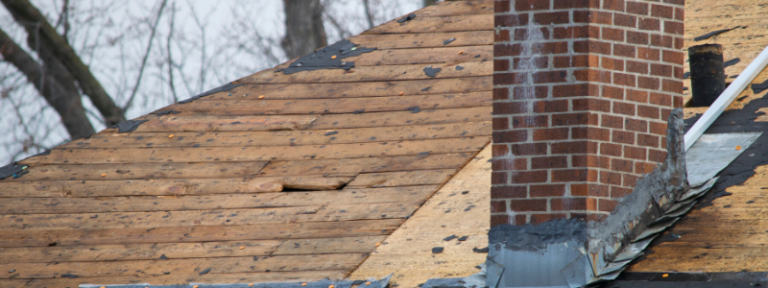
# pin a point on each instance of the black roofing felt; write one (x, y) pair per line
(329, 57)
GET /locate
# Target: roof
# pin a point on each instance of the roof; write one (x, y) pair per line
(723, 237)
(275, 177)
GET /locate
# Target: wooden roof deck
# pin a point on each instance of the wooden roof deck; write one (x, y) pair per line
(239, 188)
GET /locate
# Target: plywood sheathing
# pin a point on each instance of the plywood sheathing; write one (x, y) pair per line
(283, 178)
(459, 208)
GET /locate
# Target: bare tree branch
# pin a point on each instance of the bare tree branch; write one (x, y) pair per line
(304, 30)
(146, 56)
(170, 56)
(368, 15)
(63, 96)
(24, 12)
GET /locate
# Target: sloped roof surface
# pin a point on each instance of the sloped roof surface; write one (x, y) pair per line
(727, 231)
(283, 177)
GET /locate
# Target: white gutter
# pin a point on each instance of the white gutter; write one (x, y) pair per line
(726, 98)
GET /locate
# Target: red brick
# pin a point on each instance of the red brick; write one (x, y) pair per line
(550, 134)
(500, 93)
(575, 90)
(677, 102)
(570, 119)
(634, 153)
(590, 133)
(678, 72)
(636, 125)
(592, 76)
(591, 161)
(570, 175)
(621, 192)
(524, 205)
(509, 78)
(499, 150)
(591, 105)
(613, 34)
(673, 27)
(522, 34)
(500, 123)
(661, 41)
(626, 80)
(591, 46)
(613, 64)
(624, 20)
(565, 4)
(591, 16)
(648, 140)
(647, 83)
(610, 149)
(661, 99)
(507, 108)
(637, 67)
(525, 63)
(658, 128)
(675, 2)
(630, 180)
(530, 92)
(612, 178)
(500, 65)
(510, 20)
(575, 61)
(574, 32)
(507, 50)
(674, 86)
(595, 190)
(636, 96)
(613, 92)
(623, 165)
(679, 42)
(624, 50)
(547, 190)
(499, 192)
(528, 5)
(574, 147)
(679, 13)
(510, 136)
(501, 6)
(530, 121)
(665, 113)
(550, 77)
(649, 24)
(551, 47)
(648, 53)
(637, 8)
(623, 137)
(657, 155)
(661, 11)
(624, 108)
(644, 167)
(607, 205)
(501, 35)
(506, 219)
(550, 106)
(569, 204)
(548, 18)
(503, 163)
(498, 177)
(617, 5)
(519, 177)
(612, 121)
(637, 37)
(498, 206)
(549, 162)
(529, 149)
(661, 70)
(541, 218)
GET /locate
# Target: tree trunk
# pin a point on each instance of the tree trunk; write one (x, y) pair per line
(54, 82)
(429, 2)
(37, 25)
(304, 31)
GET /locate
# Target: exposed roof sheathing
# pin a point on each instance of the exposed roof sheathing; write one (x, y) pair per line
(283, 177)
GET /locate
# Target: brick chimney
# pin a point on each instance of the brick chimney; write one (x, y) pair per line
(582, 93)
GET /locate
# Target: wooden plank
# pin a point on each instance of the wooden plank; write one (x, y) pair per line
(388, 119)
(333, 106)
(139, 251)
(349, 195)
(16, 283)
(372, 73)
(436, 24)
(329, 245)
(408, 251)
(260, 153)
(430, 55)
(229, 278)
(418, 40)
(286, 137)
(116, 171)
(405, 178)
(204, 123)
(166, 187)
(365, 165)
(218, 265)
(707, 260)
(446, 8)
(361, 89)
(199, 233)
